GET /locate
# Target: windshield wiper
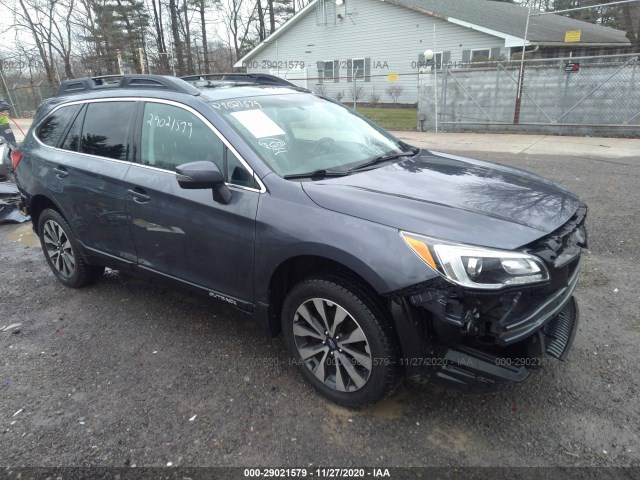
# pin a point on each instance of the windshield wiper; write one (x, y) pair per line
(320, 173)
(384, 158)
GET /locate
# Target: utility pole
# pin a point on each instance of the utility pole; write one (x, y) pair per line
(435, 73)
(516, 113)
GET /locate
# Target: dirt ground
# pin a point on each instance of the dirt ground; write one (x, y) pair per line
(126, 373)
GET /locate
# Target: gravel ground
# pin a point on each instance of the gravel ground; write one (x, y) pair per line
(126, 372)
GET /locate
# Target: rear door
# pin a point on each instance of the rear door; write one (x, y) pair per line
(185, 234)
(90, 167)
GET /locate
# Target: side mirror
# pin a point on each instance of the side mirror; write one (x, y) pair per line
(203, 175)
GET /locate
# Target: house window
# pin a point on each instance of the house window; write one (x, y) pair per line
(358, 67)
(481, 55)
(328, 70)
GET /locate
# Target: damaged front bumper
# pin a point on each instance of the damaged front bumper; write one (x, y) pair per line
(473, 370)
(476, 341)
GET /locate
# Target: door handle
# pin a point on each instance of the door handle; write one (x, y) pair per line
(139, 195)
(61, 172)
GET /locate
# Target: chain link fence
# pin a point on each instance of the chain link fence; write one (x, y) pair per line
(587, 95)
(25, 99)
(576, 94)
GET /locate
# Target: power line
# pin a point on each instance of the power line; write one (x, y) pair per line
(584, 8)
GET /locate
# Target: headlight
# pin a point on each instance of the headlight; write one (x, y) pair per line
(477, 267)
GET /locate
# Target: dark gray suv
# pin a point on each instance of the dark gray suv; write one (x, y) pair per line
(373, 259)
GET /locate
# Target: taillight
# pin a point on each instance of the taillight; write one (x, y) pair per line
(16, 156)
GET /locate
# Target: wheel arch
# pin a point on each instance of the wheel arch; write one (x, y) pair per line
(37, 204)
(296, 268)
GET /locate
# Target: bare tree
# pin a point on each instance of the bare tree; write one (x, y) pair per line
(30, 18)
(205, 46)
(177, 42)
(238, 17)
(187, 38)
(261, 27)
(163, 59)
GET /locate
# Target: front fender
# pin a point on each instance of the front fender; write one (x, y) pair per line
(292, 225)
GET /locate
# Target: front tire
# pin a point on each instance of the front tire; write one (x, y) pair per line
(341, 340)
(62, 252)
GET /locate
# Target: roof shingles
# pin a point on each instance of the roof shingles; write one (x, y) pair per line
(511, 19)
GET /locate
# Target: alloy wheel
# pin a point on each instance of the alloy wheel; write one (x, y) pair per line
(332, 345)
(58, 247)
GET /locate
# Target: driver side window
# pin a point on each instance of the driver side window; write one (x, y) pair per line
(172, 136)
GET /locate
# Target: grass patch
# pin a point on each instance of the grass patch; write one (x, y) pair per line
(391, 118)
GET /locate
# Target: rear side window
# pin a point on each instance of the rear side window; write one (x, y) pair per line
(72, 141)
(50, 131)
(105, 131)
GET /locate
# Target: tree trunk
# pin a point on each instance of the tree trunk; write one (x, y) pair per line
(188, 40)
(261, 27)
(205, 47)
(162, 49)
(272, 17)
(176, 36)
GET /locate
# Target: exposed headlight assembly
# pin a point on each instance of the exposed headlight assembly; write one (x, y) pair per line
(477, 267)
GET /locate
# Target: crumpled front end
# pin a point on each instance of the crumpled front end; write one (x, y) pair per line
(476, 340)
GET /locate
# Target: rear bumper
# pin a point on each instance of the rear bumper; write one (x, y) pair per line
(472, 370)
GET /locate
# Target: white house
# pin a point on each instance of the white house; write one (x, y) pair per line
(379, 43)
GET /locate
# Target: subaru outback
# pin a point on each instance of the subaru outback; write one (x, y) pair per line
(374, 260)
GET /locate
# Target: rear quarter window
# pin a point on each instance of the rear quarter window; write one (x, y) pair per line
(105, 131)
(51, 129)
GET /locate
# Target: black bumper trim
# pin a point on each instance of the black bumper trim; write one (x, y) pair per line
(472, 371)
(524, 326)
(560, 332)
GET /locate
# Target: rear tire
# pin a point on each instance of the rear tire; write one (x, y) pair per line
(62, 252)
(341, 340)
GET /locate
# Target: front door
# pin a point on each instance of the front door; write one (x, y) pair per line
(185, 234)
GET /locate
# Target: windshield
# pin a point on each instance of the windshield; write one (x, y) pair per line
(300, 133)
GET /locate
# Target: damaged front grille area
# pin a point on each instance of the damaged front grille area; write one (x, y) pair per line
(506, 317)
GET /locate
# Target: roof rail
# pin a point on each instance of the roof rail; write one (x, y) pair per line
(258, 78)
(128, 81)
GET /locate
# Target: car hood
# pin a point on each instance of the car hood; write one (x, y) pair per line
(452, 198)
